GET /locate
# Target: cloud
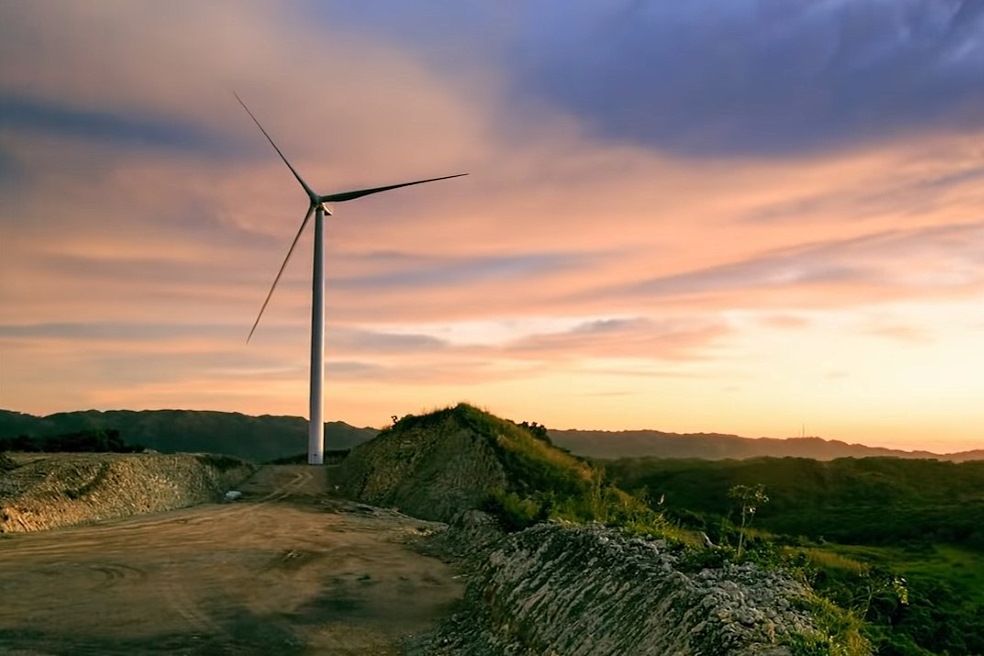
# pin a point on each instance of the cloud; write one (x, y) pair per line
(112, 332)
(356, 341)
(904, 333)
(785, 321)
(934, 260)
(422, 272)
(26, 115)
(916, 190)
(639, 339)
(731, 78)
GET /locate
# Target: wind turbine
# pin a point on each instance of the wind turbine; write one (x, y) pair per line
(318, 206)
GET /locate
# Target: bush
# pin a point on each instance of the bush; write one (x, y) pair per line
(220, 463)
(514, 513)
(6, 462)
(86, 441)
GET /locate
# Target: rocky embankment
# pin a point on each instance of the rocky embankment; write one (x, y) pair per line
(432, 471)
(590, 591)
(566, 587)
(54, 490)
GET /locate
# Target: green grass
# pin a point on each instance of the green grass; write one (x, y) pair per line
(839, 632)
(900, 543)
(958, 568)
(943, 608)
(542, 481)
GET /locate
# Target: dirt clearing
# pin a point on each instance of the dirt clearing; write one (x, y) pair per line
(284, 570)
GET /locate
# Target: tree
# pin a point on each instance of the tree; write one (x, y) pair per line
(750, 497)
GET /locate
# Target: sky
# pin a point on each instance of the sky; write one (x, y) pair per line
(761, 218)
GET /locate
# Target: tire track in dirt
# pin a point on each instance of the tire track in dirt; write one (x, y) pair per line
(115, 574)
(121, 531)
(197, 619)
(284, 570)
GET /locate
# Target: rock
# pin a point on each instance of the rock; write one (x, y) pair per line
(431, 472)
(589, 591)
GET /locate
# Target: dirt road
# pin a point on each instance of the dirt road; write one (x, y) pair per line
(286, 570)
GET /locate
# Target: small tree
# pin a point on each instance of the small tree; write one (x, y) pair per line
(750, 497)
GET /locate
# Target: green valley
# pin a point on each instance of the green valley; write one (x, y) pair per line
(899, 542)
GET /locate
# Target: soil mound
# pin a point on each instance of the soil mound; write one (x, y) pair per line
(431, 466)
(64, 489)
(437, 465)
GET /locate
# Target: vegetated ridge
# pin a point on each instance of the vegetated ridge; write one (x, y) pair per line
(899, 542)
(549, 578)
(436, 465)
(259, 439)
(874, 501)
(268, 437)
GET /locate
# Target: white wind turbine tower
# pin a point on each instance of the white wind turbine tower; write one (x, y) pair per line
(318, 206)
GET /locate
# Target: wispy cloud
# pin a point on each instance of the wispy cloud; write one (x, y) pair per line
(936, 259)
(733, 78)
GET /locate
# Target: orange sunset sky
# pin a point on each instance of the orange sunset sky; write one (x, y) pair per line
(713, 215)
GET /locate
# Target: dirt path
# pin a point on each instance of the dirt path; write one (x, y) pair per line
(286, 570)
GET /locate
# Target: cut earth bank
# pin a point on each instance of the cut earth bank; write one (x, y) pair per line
(285, 570)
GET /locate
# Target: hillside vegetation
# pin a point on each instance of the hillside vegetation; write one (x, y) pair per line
(579, 552)
(268, 437)
(900, 542)
(860, 501)
(441, 463)
(258, 439)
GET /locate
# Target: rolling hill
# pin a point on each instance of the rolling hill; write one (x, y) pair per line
(252, 438)
(716, 446)
(268, 437)
(459, 458)
(874, 501)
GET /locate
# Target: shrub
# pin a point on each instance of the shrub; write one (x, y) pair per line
(6, 462)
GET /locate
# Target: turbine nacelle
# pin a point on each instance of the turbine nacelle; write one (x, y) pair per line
(326, 208)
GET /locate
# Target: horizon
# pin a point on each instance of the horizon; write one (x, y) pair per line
(702, 216)
(574, 429)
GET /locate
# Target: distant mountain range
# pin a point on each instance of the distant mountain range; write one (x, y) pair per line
(715, 446)
(253, 438)
(268, 437)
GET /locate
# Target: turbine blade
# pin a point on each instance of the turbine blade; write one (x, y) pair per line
(359, 193)
(307, 217)
(307, 189)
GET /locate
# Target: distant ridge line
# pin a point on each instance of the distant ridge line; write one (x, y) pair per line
(266, 437)
(718, 446)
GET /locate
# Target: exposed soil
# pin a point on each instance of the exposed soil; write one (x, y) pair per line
(285, 570)
(50, 490)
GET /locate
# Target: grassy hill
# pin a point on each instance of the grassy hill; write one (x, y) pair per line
(860, 501)
(271, 437)
(258, 439)
(440, 463)
(899, 542)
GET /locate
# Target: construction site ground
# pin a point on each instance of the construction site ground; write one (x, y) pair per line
(286, 569)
